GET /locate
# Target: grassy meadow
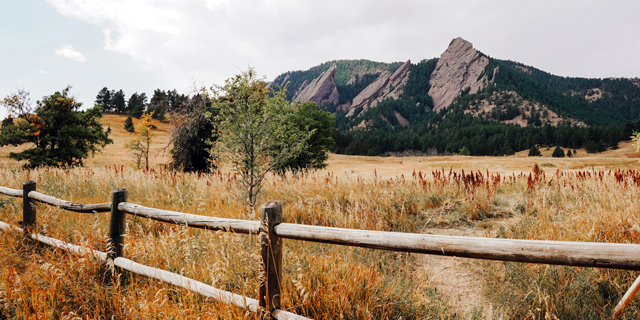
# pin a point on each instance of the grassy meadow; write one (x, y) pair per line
(585, 198)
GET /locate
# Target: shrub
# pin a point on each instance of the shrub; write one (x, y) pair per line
(535, 152)
(558, 153)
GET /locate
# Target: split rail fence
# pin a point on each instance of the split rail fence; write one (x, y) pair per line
(272, 230)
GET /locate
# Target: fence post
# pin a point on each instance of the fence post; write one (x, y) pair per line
(28, 208)
(271, 250)
(117, 224)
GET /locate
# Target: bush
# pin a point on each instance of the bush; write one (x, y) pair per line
(558, 153)
(535, 152)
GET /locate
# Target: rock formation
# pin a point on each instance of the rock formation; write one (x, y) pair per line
(388, 85)
(459, 67)
(322, 90)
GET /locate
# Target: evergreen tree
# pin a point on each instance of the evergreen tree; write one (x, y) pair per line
(137, 104)
(191, 146)
(128, 125)
(62, 135)
(535, 152)
(118, 102)
(569, 153)
(558, 153)
(104, 98)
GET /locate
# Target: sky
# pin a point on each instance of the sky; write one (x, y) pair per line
(142, 45)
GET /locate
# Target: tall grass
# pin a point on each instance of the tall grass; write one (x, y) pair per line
(320, 281)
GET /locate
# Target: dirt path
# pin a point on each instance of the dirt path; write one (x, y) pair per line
(455, 279)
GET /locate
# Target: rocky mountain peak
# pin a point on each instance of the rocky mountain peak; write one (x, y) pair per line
(388, 85)
(459, 67)
(322, 90)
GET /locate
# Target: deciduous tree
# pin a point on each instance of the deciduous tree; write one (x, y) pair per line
(251, 124)
(306, 117)
(140, 145)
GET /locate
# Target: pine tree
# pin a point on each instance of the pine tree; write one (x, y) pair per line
(558, 153)
(535, 152)
(128, 125)
(62, 135)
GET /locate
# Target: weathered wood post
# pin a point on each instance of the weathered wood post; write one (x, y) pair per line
(271, 250)
(28, 208)
(117, 224)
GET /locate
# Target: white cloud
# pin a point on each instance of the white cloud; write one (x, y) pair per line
(68, 52)
(210, 40)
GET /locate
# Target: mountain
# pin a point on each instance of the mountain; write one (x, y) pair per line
(404, 104)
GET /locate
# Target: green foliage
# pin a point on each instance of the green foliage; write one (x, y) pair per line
(62, 135)
(165, 101)
(307, 118)
(128, 125)
(534, 152)
(464, 151)
(190, 151)
(619, 102)
(104, 98)
(118, 102)
(251, 125)
(137, 104)
(558, 153)
(569, 153)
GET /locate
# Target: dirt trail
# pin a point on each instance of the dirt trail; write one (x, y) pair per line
(454, 278)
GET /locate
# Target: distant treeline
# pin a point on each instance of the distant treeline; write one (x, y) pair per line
(161, 103)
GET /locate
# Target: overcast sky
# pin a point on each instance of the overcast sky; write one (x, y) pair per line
(141, 45)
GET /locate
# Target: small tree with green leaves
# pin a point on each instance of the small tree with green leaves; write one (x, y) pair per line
(320, 124)
(251, 123)
(464, 151)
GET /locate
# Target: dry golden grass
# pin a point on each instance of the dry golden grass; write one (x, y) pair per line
(569, 201)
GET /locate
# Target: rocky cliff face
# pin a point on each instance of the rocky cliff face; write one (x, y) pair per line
(388, 85)
(459, 67)
(321, 90)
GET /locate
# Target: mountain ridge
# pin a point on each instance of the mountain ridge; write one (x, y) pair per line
(465, 98)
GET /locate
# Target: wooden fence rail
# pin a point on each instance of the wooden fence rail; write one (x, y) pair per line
(272, 230)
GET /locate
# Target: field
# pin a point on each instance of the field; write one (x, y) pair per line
(585, 198)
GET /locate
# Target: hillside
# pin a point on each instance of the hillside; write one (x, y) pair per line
(465, 98)
(114, 154)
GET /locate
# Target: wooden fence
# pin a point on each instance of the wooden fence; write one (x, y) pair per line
(272, 230)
